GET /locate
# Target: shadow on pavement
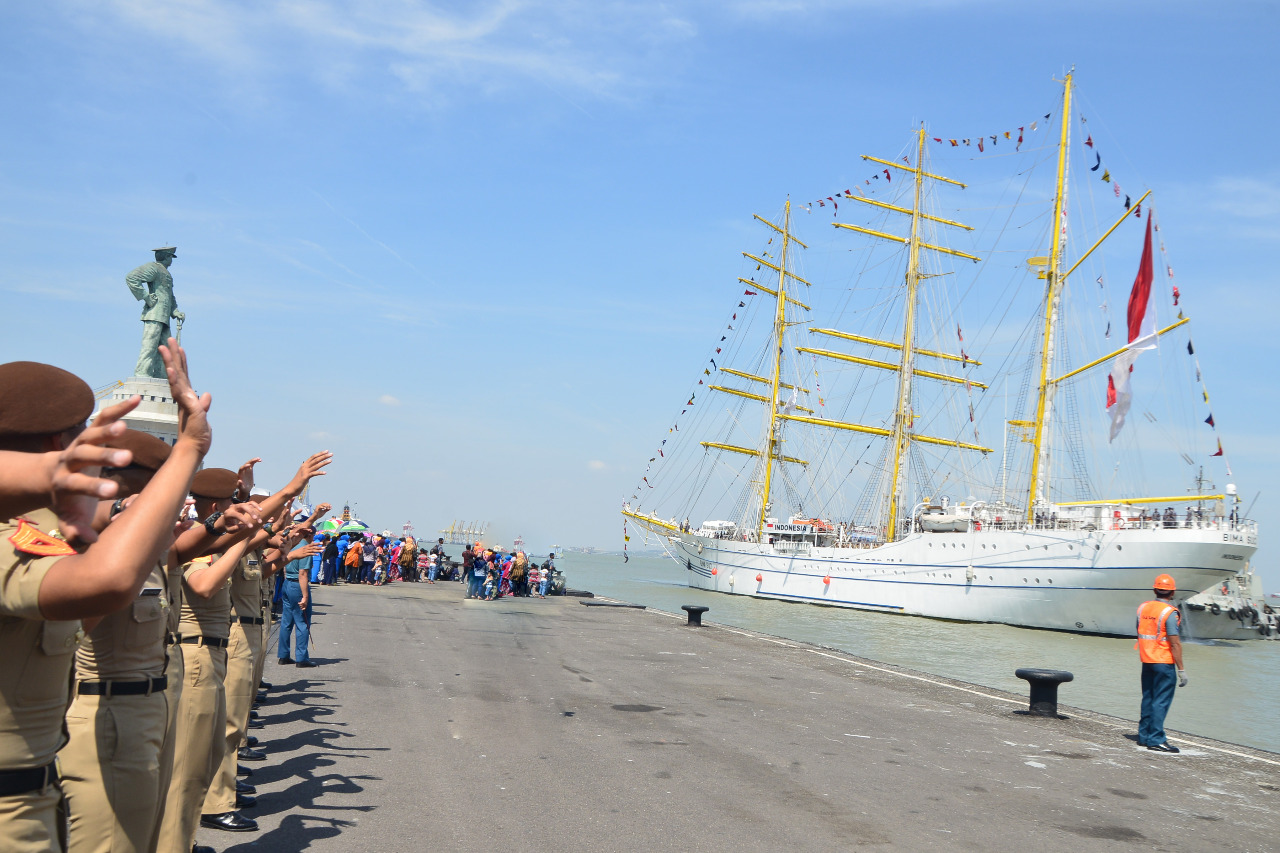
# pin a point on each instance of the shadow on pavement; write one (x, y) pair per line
(315, 754)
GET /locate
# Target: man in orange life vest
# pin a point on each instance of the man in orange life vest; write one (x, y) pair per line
(1160, 647)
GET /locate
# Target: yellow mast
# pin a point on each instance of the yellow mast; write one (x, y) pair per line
(902, 418)
(779, 326)
(1039, 486)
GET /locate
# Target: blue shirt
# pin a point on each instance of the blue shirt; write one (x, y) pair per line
(292, 568)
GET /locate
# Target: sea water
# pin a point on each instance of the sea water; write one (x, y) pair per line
(1233, 695)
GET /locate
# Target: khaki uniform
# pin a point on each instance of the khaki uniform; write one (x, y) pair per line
(35, 672)
(174, 675)
(268, 590)
(200, 720)
(242, 657)
(111, 763)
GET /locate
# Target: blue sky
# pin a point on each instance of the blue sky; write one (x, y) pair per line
(478, 249)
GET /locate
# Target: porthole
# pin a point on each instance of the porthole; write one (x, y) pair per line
(1071, 547)
(1050, 580)
(1028, 547)
(1119, 547)
(1097, 547)
(1024, 580)
(1037, 580)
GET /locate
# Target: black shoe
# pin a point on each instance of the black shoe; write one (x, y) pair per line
(284, 660)
(305, 664)
(245, 788)
(243, 771)
(202, 848)
(1163, 747)
(264, 685)
(253, 715)
(247, 754)
(228, 821)
(257, 724)
(251, 741)
(244, 801)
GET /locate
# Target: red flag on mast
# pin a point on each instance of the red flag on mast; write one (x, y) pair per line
(1140, 296)
(1142, 336)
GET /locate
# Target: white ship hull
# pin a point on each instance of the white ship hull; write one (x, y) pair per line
(1068, 580)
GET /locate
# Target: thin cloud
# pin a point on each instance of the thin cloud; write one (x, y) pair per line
(596, 465)
(604, 50)
(388, 400)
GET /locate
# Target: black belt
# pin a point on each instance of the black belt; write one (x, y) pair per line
(122, 688)
(247, 620)
(170, 639)
(211, 642)
(14, 783)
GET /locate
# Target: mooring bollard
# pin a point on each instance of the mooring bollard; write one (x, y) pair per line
(1044, 689)
(695, 612)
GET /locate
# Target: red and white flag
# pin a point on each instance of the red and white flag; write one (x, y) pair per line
(1142, 336)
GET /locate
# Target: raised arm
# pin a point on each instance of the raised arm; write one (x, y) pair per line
(107, 576)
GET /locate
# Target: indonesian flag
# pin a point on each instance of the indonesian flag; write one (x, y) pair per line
(1142, 336)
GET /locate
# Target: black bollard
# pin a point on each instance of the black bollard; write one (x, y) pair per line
(695, 612)
(1044, 689)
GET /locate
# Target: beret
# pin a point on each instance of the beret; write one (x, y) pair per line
(148, 451)
(40, 399)
(215, 483)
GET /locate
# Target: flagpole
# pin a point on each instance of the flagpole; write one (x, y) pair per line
(1039, 486)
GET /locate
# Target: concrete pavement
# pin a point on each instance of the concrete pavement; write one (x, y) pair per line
(437, 723)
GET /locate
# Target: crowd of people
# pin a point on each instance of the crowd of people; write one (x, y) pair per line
(135, 596)
(379, 559)
(492, 573)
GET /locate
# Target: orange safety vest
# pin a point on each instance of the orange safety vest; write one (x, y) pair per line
(1153, 641)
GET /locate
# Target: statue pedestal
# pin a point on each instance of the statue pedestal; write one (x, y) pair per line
(156, 415)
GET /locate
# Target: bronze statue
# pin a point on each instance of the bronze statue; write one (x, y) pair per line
(153, 284)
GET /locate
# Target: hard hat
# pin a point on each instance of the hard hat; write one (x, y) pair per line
(1165, 582)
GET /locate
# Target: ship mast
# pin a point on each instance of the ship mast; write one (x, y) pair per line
(1039, 486)
(902, 419)
(779, 326)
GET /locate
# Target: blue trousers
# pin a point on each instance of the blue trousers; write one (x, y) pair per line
(294, 617)
(474, 583)
(1159, 680)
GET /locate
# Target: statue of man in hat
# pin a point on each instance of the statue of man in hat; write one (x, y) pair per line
(153, 284)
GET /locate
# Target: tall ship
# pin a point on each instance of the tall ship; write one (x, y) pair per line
(963, 422)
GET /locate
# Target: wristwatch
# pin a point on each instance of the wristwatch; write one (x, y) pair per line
(210, 522)
(117, 507)
(267, 527)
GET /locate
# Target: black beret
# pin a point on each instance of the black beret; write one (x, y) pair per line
(148, 451)
(215, 484)
(40, 399)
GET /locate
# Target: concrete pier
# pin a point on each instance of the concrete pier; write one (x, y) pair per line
(437, 723)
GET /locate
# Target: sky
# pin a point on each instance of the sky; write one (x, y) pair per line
(477, 250)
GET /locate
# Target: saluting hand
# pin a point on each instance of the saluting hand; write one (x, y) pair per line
(76, 487)
(193, 409)
(313, 467)
(242, 518)
(246, 476)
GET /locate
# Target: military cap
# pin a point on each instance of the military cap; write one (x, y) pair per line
(40, 399)
(148, 451)
(173, 250)
(215, 484)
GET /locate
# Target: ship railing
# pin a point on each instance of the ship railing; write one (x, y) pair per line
(791, 546)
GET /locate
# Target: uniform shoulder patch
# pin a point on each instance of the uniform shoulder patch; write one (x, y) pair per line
(30, 540)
